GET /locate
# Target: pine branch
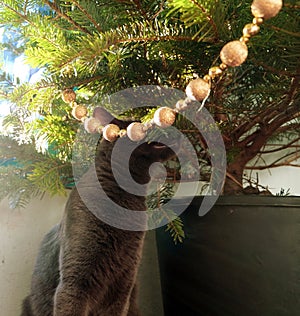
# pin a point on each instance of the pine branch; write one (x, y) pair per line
(85, 81)
(199, 14)
(155, 201)
(292, 6)
(252, 144)
(279, 29)
(48, 175)
(176, 230)
(25, 6)
(140, 9)
(272, 118)
(174, 226)
(160, 10)
(54, 7)
(287, 128)
(22, 16)
(288, 145)
(83, 10)
(93, 47)
(34, 33)
(288, 160)
(16, 187)
(280, 72)
(208, 17)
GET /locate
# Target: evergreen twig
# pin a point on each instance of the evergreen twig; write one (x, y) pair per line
(54, 7)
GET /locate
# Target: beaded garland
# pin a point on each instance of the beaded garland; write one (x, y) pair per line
(233, 54)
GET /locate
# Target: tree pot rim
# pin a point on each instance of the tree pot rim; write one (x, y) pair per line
(244, 200)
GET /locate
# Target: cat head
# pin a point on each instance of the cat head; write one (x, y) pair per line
(144, 152)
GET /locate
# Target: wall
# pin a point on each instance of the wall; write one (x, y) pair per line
(285, 177)
(20, 234)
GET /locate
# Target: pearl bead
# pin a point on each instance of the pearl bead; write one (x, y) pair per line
(198, 89)
(79, 112)
(92, 125)
(266, 9)
(136, 131)
(68, 96)
(111, 132)
(164, 117)
(234, 53)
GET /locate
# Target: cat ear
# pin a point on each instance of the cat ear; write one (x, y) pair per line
(103, 116)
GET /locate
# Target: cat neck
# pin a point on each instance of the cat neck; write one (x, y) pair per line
(116, 180)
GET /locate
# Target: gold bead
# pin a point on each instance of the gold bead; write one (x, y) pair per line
(244, 39)
(266, 9)
(164, 117)
(258, 21)
(111, 132)
(79, 112)
(215, 72)
(223, 66)
(122, 133)
(147, 125)
(250, 29)
(181, 105)
(198, 89)
(136, 131)
(92, 125)
(234, 53)
(207, 78)
(68, 95)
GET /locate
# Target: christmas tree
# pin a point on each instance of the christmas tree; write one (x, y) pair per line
(90, 49)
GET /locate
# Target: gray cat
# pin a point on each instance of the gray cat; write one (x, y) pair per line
(86, 267)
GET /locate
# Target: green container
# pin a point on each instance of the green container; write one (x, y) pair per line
(240, 259)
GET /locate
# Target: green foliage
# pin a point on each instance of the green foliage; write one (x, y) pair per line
(159, 214)
(204, 17)
(283, 192)
(16, 187)
(100, 47)
(50, 175)
(25, 173)
(176, 230)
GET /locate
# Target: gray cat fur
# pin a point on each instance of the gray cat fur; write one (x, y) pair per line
(86, 267)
